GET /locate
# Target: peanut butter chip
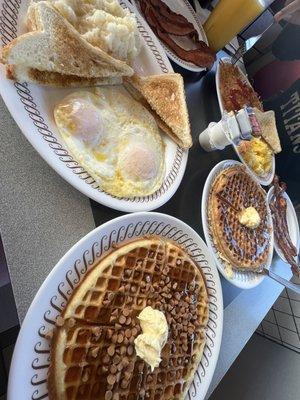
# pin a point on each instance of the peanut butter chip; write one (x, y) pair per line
(120, 367)
(120, 338)
(111, 350)
(134, 331)
(116, 359)
(114, 338)
(125, 362)
(113, 369)
(127, 375)
(126, 312)
(108, 395)
(128, 333)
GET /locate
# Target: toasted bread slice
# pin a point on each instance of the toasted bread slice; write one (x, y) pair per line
(165, 97)
(56, 79)
(142, 100)
(269, 131)
(56, 46)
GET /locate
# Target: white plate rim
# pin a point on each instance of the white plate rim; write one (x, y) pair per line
(21, 105)
(265, 180)
(194, 19)
(243, 280)
(30, 351)
(295, 227)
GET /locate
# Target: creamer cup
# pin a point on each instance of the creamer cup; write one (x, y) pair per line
(214, 137)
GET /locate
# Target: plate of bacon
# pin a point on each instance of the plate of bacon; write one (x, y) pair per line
(285, 222)
(180, 32)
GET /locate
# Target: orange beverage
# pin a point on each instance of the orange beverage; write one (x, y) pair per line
(228, 18)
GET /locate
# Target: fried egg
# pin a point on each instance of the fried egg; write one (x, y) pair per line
(114, 138)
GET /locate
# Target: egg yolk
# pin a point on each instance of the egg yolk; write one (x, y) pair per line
(84, 121)
(139, 163)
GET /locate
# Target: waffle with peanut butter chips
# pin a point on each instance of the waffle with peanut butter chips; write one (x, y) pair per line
(243, 246)
(93, 352)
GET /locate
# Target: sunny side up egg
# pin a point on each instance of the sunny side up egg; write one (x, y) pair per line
(114, 138)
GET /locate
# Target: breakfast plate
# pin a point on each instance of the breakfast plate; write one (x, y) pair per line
(218, 86)
(239, 278)
(266, 179)
(32, 348)
(292, 223)
(32, 108)
(182, 7)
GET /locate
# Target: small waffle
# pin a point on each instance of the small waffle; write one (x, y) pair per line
(92, 350)
(232, 191)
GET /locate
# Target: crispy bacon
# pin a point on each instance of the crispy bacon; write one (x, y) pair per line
(166, 12)
(278, 208)
(198, 56)
(203, 56)
(174, 29)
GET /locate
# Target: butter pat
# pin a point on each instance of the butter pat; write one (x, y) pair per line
(249, 217)
(150, 343)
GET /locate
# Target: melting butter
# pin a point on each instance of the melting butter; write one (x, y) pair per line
(249, 217)
(149, 344)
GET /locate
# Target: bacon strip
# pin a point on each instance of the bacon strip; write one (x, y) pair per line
(278, 208)
(203, 56)
(166, 12)
(198, 57)
(167, 24)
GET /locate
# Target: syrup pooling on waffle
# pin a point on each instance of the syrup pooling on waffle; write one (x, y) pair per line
(92, 352)
(232, 191)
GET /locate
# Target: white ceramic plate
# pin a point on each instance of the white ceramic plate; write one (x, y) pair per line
(32, 108)
(184, 8)
(292, 222)
(263, 180)
(30, 360)
(244, 280)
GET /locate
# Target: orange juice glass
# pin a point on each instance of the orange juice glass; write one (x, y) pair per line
(229, 17)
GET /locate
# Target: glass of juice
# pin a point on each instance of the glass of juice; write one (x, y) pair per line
(229, 17)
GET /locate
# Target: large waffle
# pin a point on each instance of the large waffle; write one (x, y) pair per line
(92, 349)
(232, 191)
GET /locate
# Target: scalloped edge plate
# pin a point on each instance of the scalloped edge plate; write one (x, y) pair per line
(243, 280)
(30, 360)
(263, 180)
(31, 106)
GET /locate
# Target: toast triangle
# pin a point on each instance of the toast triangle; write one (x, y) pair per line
(56, 46)
(166, 97)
